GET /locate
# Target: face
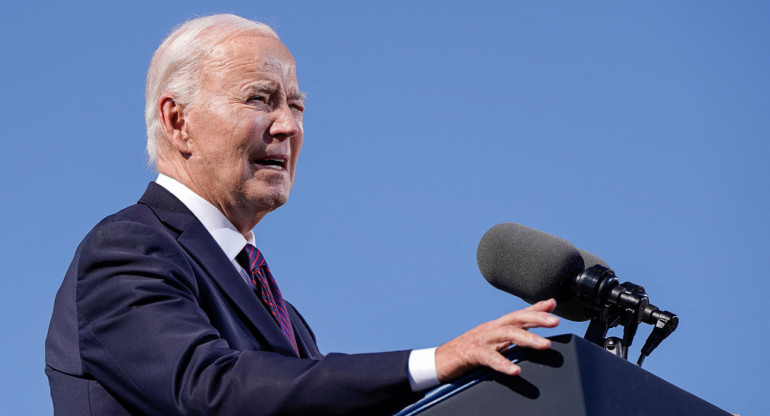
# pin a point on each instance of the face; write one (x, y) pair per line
(245, 131)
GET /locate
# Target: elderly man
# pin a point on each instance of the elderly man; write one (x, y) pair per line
(169, 309)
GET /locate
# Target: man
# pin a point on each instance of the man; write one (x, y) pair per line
(168, 308)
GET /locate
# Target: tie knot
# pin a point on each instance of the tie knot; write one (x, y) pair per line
(252, 258)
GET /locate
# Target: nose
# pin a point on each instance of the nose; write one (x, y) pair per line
(285, 122)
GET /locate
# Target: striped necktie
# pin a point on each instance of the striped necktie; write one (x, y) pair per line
(267, 289)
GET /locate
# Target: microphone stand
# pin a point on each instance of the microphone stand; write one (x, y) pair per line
(611, 303)
(665, 323)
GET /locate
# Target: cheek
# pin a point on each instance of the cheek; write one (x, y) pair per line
(296, 141)
(296, 147)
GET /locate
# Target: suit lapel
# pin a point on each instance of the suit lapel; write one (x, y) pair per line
(197, 241)
(305, 338)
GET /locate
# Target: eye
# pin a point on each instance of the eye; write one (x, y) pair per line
(299, 108)
(258, 98)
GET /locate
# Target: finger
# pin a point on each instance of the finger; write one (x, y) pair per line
(547, 305)
(498, 362)
(504, 336)
(527, 318)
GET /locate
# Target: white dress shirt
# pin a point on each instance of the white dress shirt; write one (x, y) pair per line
(422, 364)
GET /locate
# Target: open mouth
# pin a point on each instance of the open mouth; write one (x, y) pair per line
(280, 163)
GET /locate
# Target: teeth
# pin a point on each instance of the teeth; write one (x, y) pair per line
(271, 162)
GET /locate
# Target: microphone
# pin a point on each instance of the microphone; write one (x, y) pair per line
(534, 265)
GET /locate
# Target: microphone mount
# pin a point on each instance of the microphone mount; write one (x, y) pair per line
(610, 303)
(665, 323)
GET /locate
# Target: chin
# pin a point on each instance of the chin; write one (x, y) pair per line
(271, 200)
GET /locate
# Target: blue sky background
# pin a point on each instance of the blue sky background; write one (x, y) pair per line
(636, 130)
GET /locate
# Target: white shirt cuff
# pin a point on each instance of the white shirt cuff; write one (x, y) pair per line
(422, 369)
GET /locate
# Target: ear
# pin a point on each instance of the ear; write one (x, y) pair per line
(173, 123)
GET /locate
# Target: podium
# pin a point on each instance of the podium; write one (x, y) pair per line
(573, 378)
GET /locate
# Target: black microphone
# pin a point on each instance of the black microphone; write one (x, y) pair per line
(533, 265)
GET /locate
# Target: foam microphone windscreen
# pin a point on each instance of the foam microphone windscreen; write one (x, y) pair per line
(570, 306)
(590, 260)
(532, 265)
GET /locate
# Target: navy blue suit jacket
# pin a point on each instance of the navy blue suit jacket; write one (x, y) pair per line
(152, 318)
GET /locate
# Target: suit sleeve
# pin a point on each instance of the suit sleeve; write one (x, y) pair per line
(145, 338)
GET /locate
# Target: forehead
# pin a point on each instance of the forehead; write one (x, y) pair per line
(249, 56)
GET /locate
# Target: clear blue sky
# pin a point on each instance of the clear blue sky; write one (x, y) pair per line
(637, 130)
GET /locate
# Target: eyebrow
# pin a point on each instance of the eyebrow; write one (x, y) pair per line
(260, 87)
(297, 96)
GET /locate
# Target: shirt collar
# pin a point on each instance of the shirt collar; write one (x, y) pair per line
(221, 229)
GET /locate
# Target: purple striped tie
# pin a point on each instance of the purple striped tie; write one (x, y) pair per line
(268, 290)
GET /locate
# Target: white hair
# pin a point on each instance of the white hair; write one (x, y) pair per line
(175, 68)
